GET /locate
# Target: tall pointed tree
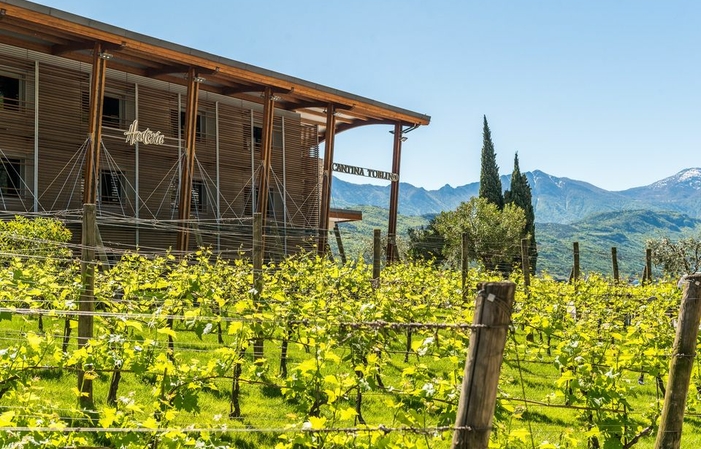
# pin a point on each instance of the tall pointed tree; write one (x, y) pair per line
(490, 184)
(520, 195)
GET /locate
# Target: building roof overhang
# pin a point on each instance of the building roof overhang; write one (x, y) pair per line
(36, 27)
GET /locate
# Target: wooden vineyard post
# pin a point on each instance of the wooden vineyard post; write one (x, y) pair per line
(648, 265)
(87, 306)
(376, 257)
(614, 262)
(257, 275)
(478, 394)
(575, 264)
(339, 242)
(465, 265)
(525, 263)
(680, 366)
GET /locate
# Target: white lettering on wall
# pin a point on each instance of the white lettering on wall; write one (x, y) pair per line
(147, 137)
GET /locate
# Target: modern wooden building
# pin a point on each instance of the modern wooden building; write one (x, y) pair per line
(175, 147)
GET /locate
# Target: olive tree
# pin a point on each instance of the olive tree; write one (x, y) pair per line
(494, 235)
(676, 258)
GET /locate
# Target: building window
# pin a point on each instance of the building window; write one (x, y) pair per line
(10, 93)
(10, 177)
(198, 202)
(112, 110)
(275, 203)
(258, 137)
(111, 187)
(178, 123)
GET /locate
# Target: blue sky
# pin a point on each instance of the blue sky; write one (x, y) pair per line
(603, 91)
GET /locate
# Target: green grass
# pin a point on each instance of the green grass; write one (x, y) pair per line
(265, 408)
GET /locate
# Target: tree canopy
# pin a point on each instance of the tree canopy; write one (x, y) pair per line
(676, 258)
(425, 242)
(490, 183)
(520, 195)
(493, 235)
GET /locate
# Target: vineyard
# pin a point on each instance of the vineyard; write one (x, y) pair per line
(191, 352)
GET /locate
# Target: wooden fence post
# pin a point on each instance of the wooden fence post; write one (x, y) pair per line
(681, 365)
(339, 242)
(525, 262)
(614, 262)
(575, 265)
(376, 257)
(465, 264)
(87, 299)
(478, 394)
(258, 275)
(648, 265)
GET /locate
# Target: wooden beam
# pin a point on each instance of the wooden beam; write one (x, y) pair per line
(241, 89)
(326, 178)
(319, 104)
(251, 88)
(166, 70)
(346, 126)
(21, 43)
(59, 49)
(97, 93)
(266, 151)
(21, 28)
(188, 164)
(392, 253)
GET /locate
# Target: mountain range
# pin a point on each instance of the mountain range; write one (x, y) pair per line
(566, 211)
(555, 199)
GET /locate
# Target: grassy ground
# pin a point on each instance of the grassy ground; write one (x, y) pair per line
(264, 408)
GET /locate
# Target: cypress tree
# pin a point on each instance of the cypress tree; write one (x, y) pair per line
(520, 195)
(490, 184)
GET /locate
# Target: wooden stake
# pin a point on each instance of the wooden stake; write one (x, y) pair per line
(339, 242)
(648, 265)
(257, 274)
(680, 366)
(376, 257)
(614, 261)
(465, 265)
(575, 266)
(85, 320)
(478, 395)
(525, 263)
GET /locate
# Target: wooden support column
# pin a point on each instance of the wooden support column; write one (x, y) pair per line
(90, 179)
(97, 93)
(392, 252)
(266, 153)
(326, 179)
(188, 164)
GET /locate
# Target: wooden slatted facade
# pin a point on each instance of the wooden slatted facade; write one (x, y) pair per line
(45, 110)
